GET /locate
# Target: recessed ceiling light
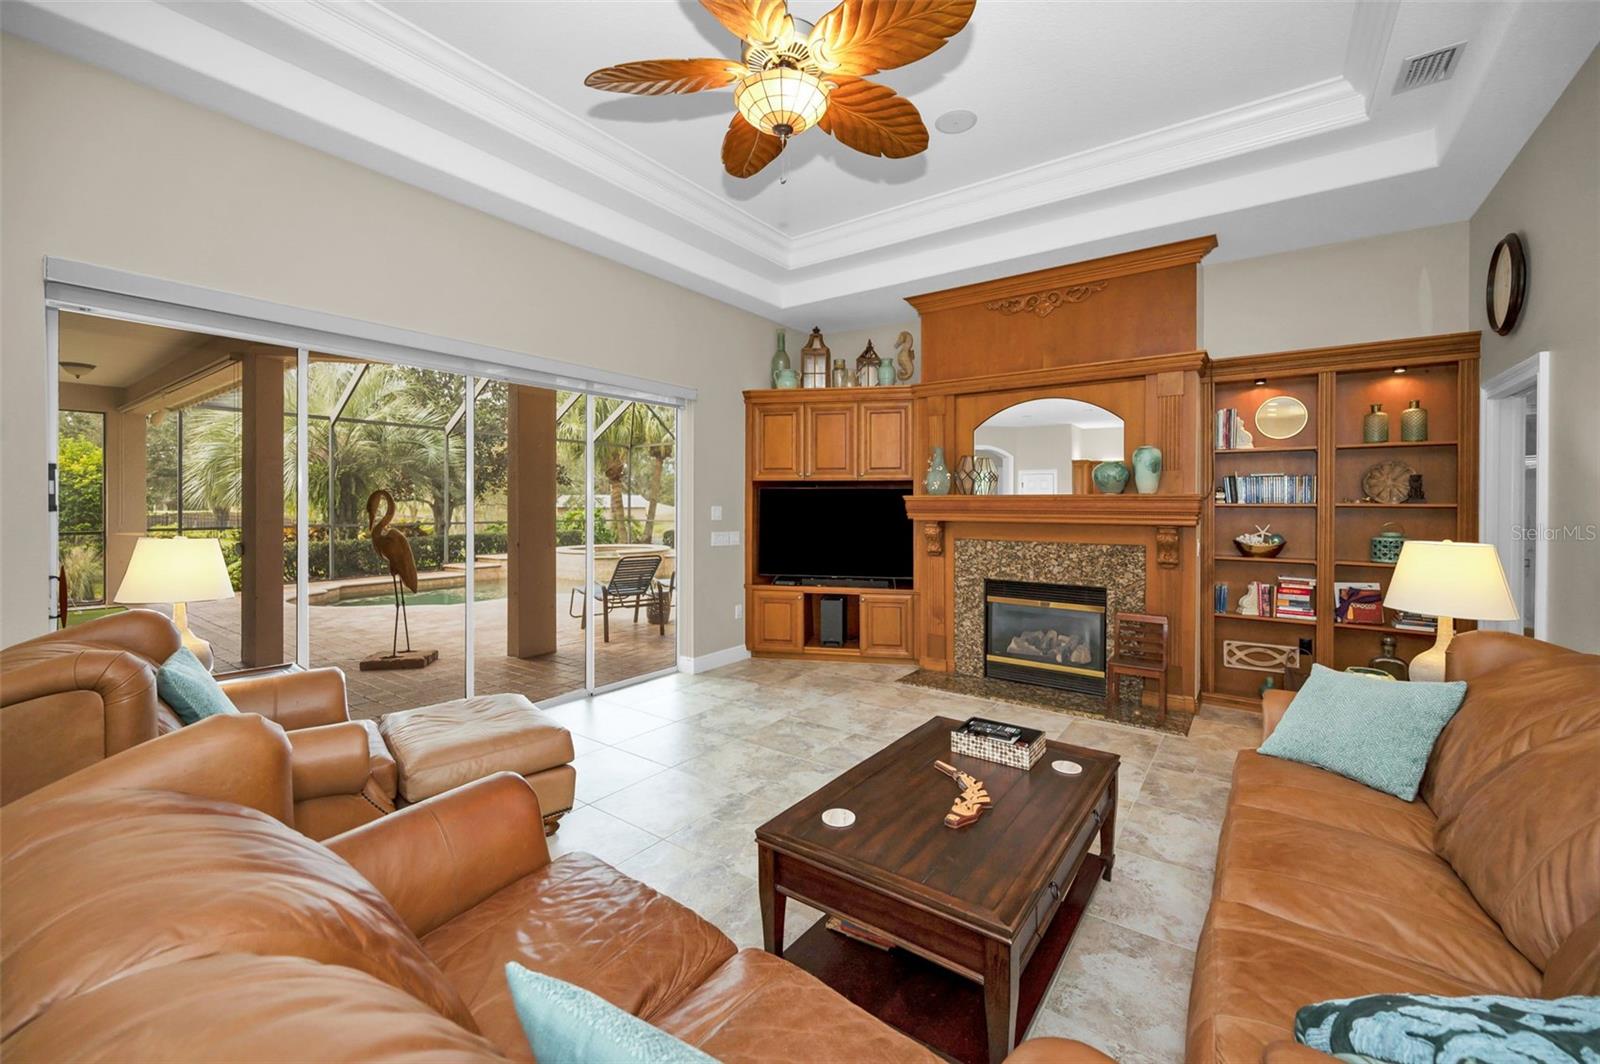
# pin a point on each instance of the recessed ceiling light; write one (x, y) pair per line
(955, 121)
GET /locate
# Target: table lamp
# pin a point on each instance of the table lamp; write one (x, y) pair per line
(179, 571)
(1448, 580)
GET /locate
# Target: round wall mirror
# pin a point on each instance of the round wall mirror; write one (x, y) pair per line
(1048, 446)
(1281, 417)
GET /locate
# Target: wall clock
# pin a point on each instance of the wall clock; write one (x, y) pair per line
(1507, 286)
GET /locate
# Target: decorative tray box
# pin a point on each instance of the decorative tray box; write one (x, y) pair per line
(993, 740)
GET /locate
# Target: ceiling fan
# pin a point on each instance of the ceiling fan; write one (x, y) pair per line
(793, 75)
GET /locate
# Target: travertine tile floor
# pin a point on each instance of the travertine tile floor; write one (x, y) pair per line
(674, 775)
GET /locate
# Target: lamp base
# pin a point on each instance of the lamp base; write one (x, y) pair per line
(1428, 666)
(197, 646)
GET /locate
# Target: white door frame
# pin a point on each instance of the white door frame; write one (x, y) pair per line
(1502, 516)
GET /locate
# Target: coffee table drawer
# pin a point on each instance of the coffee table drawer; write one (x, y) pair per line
(1055, 889)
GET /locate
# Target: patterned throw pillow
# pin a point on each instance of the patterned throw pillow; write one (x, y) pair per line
(1424, 1029)
(566, 1024)
(189, 689)
(1376, 732)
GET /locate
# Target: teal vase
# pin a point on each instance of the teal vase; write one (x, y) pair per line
(780, 362)
(937, 482)
(786, 378)
(1110, 477)
(1147, 469)
(886, 373)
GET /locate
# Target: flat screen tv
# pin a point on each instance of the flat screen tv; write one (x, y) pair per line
(817, 533)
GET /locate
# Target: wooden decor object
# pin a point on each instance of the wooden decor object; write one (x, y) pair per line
(1259, 657)
(971, 803)
(1330, 539)
(1138, 647)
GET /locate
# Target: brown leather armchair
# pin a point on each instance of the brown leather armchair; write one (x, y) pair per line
(157, 908)
(74, 697)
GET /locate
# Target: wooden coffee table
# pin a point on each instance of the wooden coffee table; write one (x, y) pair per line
(993, 904)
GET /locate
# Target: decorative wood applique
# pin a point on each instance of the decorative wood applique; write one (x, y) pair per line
(1167, 547)
(974, 798)
(1043, 304)
(1259, 657)
(933, 537)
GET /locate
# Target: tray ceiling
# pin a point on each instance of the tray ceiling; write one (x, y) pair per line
(1102, 126)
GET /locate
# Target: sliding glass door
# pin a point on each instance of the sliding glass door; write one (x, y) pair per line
(433, 534)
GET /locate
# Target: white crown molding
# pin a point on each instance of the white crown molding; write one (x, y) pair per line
(377, 36)
(1371, 28)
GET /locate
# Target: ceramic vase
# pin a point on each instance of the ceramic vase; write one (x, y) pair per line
(1414, 423)
(885, 373)
(937, 482)
(780, 361)
(786, 378)
(1375, 426)
(1147, 469)
(1110, 477)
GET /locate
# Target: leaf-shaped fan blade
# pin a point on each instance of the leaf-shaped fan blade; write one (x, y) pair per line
(655, 77)
(746, 150)
(751, 20)
(866, 36)
(873, 119)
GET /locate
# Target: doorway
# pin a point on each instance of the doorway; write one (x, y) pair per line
(1514, 507)
(276, 452)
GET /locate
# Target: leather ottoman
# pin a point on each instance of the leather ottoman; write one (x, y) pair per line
(440, 747)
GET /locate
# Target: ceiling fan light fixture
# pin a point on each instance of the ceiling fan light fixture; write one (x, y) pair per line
(782, 101)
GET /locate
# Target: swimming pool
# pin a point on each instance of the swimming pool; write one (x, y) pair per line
(483, 591)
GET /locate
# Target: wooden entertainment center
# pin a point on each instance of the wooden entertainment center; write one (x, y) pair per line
(1120, 334)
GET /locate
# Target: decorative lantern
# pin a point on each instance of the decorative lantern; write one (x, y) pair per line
(814, 361)
(867, 364)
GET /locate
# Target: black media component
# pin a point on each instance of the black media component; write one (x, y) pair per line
(833, 620)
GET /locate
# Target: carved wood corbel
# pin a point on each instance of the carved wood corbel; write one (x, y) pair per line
(933, 537)
(1167, 547)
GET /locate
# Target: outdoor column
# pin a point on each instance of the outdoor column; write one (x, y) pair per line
(531, 522)
(261, 537)
(126, 502)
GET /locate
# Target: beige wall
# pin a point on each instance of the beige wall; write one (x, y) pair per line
(1400, 284)
(1550, 195)
(101, 170)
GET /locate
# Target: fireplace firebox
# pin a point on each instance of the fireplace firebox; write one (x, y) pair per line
(1053, 635)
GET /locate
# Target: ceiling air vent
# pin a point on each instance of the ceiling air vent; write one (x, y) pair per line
(1429, 69)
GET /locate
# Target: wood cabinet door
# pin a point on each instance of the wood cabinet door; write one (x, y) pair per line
(886, 622)
(885, 441)
(778, 619)
(778, 454)
(830, 441)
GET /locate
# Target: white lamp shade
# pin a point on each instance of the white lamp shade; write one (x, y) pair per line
(1445, 579)
(175, 570)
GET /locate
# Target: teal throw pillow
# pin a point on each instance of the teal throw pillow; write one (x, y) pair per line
(566, 1024)
(190, 689)
(1423, 1028)
(1377, 732)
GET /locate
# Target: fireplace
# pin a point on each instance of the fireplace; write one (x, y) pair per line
(1053, 635)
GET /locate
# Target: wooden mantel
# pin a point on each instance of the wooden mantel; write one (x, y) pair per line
(1180, 510)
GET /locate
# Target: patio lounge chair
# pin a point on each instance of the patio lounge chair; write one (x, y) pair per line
(632, 583)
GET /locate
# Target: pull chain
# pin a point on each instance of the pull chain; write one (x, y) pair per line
(783, 162)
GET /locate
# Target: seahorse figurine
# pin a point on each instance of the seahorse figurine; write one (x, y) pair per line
(905, 359)
(971, 803)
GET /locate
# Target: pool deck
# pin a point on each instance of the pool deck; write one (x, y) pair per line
(344, 635)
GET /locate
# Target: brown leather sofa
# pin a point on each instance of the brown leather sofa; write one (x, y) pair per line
(1487, 883)
(159, 908)
(74, 697)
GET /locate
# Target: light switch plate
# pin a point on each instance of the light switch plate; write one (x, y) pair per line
(716, 513)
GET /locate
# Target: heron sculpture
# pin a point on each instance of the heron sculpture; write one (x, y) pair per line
(391, 545)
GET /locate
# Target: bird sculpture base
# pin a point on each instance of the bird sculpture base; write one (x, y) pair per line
(406, 659)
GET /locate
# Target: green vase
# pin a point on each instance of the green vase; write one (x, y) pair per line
(787, 378)
(1375, 426)
(937, 482)
(780, 360)
(1110, 477)
(1414, 423)
(885, 373)
(1147, 469)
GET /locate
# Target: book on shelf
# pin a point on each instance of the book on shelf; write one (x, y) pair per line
(1231, 435)
(1259, 488)
(1357, 602)
(1415, 622)
(1219, 598)
(1295, 597)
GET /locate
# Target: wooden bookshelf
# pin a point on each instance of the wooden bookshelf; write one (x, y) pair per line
(1332, 535)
